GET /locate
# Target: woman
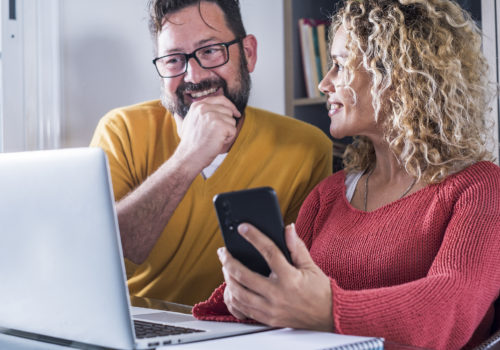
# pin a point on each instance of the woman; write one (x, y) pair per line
(403, 243)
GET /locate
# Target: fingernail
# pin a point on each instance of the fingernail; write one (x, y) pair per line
(242, 229)
(293, 232)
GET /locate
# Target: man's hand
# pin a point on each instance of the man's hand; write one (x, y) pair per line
(296, 296)
(208, 129)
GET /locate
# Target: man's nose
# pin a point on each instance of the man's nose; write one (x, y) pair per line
(195, 73)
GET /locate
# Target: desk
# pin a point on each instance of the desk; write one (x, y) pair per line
(12, 342)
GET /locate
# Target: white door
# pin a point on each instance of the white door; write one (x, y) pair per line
(30, 101)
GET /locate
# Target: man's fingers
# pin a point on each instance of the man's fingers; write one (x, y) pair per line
(218, 112)
(218, 101)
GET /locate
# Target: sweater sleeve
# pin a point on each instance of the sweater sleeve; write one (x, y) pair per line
(214, 309)
(445, 308)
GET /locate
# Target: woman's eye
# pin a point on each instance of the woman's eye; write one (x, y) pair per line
(337, 66)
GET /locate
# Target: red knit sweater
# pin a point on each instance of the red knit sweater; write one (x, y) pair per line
(423, 270)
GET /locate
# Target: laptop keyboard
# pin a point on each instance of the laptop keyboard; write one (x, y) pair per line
(149, 330)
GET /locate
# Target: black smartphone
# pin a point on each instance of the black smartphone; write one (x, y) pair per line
(256, 206)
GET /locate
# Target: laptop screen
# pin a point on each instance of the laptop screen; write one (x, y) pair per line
(60, 254)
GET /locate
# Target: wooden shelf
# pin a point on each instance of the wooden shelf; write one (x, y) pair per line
(306, 101)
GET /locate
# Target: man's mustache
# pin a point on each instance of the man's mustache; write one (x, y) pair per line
(201, 86)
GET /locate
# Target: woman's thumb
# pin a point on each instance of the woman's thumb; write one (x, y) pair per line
(298, 250)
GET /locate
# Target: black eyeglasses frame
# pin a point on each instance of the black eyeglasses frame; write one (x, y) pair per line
(188, 56)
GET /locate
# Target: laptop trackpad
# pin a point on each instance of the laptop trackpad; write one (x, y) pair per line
(165, 317)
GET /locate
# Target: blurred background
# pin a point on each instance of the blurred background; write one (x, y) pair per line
(65, 63)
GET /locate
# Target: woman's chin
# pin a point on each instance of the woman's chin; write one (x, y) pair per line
(337, 134)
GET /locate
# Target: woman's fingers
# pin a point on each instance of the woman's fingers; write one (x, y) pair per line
(266, 247)
(300, 254)
(241, 299)
(229, 301)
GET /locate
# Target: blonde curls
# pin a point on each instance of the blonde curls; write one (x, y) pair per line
(429, 81)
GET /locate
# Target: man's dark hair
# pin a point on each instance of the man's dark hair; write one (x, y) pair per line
(158, 9)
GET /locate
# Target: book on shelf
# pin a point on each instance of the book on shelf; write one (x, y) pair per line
(313, 43)
(317, 58)
(323, 45)
(308, 59)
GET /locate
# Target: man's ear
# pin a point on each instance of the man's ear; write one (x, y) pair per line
(250, 50)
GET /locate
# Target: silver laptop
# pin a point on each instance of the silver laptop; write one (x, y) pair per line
(61, 261)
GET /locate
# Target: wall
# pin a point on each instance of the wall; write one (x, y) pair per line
(490, 44)
(1, 80)
(106, 62)
(0, 34)
(264, 19)
(107, 52)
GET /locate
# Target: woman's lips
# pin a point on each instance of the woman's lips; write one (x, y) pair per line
(335, 107)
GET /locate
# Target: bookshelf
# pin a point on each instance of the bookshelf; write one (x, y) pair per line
(297, 104)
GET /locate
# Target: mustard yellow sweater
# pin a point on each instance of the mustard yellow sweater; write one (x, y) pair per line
(271, 150)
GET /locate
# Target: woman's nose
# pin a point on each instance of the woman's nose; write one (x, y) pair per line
(326, 85)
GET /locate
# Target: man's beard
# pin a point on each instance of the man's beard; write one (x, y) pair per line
(239, 98)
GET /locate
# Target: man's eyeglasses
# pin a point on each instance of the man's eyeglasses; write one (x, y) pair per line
(210, 56)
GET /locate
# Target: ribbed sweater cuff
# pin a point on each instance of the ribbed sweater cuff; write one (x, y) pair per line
(214, 308)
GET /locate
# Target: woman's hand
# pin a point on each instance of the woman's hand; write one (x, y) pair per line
(296, 296)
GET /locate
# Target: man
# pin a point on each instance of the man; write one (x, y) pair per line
(169, 159)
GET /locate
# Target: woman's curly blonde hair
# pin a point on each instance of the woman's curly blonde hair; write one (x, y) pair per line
(429, 81)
